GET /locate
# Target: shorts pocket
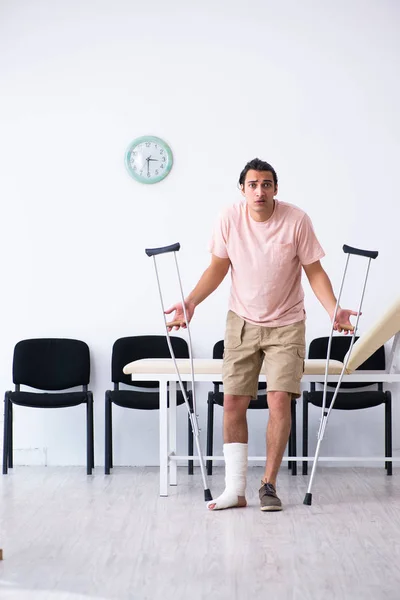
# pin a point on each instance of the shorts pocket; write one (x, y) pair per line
(301, 353)
(233, 331)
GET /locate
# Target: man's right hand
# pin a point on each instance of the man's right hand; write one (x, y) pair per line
(178, 319)
(208, 282)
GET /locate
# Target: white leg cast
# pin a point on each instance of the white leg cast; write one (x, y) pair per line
(235, 476)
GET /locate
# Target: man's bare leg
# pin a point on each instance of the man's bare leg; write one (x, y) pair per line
(278, 430)
(235, 439)
(235, 421)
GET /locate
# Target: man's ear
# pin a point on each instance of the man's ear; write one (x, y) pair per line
(242, 189)
(276, 190)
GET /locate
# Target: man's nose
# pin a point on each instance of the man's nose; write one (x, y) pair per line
(259, 192)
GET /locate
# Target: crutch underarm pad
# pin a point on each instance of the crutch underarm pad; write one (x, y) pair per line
(367, 253)
(163, 250)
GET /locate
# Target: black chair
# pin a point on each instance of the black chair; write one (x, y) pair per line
(126, 350)
(216, 397)
(50, 364)
(349, 400)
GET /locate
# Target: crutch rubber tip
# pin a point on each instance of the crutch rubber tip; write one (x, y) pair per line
(307, 499)
(207, 496)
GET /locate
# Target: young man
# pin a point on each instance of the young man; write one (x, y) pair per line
(265, 243)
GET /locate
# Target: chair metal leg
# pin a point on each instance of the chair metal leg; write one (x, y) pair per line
(190, 437)
(111, 458)
(190, 446)
(388, 431)
(290, 441)
(10, 437)
(108, 438)
(210, 434)
(92, 425)
(386, 438)
(293, 435)
(6, 433)
(89, 435)
(305, 432)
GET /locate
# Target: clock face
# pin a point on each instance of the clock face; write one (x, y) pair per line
(148, 159)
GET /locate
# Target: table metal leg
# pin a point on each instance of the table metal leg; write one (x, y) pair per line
(163, 438)
(172, 433)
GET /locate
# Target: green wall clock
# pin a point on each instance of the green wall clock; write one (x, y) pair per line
(148, 159)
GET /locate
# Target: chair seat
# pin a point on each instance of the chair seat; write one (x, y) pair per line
(140, 400)
(260, 402)
(346, 401)
(48, 400)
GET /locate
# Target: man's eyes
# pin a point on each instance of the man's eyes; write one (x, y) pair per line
(265, 185)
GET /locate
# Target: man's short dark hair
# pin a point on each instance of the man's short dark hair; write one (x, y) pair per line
(257, 165)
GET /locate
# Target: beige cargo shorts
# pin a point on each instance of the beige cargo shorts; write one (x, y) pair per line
(279, 351)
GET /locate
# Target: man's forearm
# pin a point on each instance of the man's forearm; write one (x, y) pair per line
(207, 284)
(322, 288)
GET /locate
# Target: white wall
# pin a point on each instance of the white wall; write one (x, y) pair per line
(311, 87)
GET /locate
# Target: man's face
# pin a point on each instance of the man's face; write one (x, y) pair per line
(259, 190)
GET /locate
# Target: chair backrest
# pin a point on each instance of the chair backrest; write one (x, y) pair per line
(218, 352)
(340, 345)
(51, 363)
(128, 349)
(377, 335)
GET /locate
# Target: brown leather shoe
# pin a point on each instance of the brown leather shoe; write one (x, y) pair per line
(268, 498)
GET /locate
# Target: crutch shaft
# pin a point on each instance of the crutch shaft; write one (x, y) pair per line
(308, 497)
(330, 344)
(191, 407)
(207, 492)
(370, 254)
(351, 343)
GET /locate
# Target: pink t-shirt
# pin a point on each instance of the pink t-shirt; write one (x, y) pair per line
(266, 260)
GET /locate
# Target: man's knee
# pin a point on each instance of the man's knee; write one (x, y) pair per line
(279, 404)
(236, 405)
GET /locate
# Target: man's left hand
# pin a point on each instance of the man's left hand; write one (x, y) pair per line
(342, 321)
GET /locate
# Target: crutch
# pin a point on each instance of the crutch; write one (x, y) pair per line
(370, 254)
(190, 406)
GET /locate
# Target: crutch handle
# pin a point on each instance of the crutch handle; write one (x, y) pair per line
(176, 324)
(367, 253)
(346, 327)
(163, 250)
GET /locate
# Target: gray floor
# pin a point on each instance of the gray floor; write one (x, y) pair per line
(67, 536)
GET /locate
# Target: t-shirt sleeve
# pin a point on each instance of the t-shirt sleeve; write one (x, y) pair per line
(219, 239)
(309, 249)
